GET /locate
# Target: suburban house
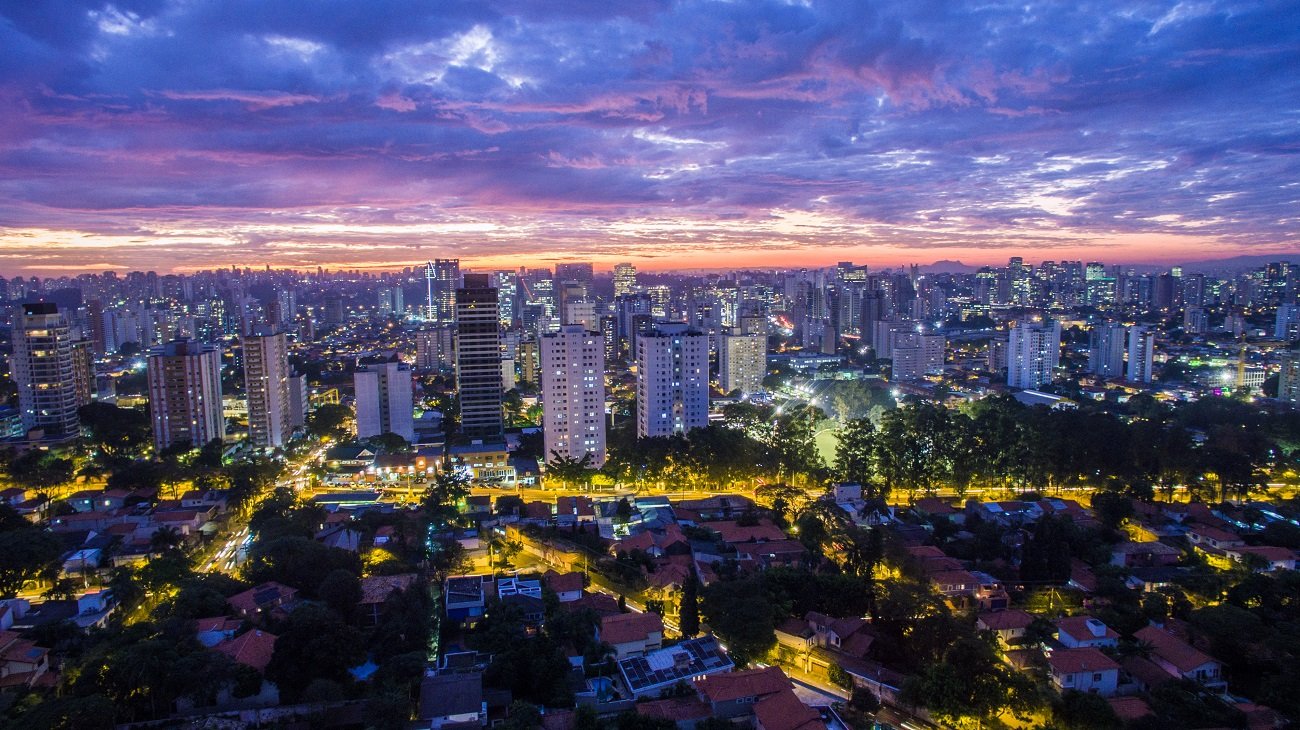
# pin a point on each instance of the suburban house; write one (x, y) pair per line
(452, 701)
(1084, 670)
(735, 694)
(567, 586)
(1179, 658)
(22, 662)
(465, 599)
(647, 676)
(1205, 536)
(260, 601)
(1009, 625)
(1144, 554)
(632, 634)
(1076, 632)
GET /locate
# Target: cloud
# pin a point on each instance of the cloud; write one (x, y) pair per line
(930, 126)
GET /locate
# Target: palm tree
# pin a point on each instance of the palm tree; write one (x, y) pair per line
(166, 539)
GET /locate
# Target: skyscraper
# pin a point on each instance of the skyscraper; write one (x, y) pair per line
(1106, 350)
(185, 393)
(478, 359)
(441, 277)
(1141, 354)
(573, 394)
(1033, 351)
(42, 368)
(672, 380)
(384, 400)
(1288, 381)
(742, 363)
(624, 279)
(266, 380)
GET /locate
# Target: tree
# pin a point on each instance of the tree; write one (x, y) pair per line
(115, 433)
(314, 644)
(855, 456)
(166, 539)
(341, 591)
(39, 469)
(744, 615)
(688, 614)
(970, 682)
(440, 502)
(331, 420)
(25, 554)
(1084, 711)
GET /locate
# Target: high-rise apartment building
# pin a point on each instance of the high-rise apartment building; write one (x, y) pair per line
(573, 394)
(916, 355)
(478, 359)
(672, 380)
(384, 400)
(435, 349)
(742, 363)
(441, 278)
(42, 368)
(1033, 352)
(185, 393)
(1106, 350)
(1287, 324)
(1141, 354)
(266, 381)
(1288, 381)
(624, 279)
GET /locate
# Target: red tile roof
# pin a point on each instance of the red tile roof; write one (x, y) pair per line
(1078, 627)
(1006, 620)
(564, 582)
(784, 711)
(1073, 661)
(252, 649)
(1183, 656)
(629, 627)
(731, 531)
(735, 685)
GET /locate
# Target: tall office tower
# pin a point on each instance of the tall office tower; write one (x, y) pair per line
(83, 371)
(672, 380)
(573, 394)
(185, 393)
(391, 300)
(266, 380)
(478, 360)
(1033, 351)
(624, 279)
(583, 273)
(1195, 321)
(299, 400)
(742, 363)
(1287, 324)
(916, 355)
(1106, 350)
(507, 284)
(435, 349)
(1288, 382)
(42, 368)
(441, 278)
(384, 400)
(1141, 354)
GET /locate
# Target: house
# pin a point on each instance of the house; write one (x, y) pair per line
(1204, 536)
(734, 694)
(257, 602)
(669, 540)
(214, 630)
(1009, 514)
(732, 531)
(1077, 632)
(632, 634)
(465, 598)
(1267, 558)
(22, 662)
(338, 536)
(647, 676)
(1179, 658)
(376, 590)
(1145, 554)
(1084, 670)
(251, 648)
(452, 701)
(567, 586)
(852, 636)
(785, 711)
(934, 508)
(1009, 625)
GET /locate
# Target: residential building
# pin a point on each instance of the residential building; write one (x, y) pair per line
(1106, 350)
(649, 675)
(266, 381)
(1287, 325)
(185, 393)
(573, 394)
(916, 355)
(1076, 632)
(478, 360)
(1141, 354)
(435, 349)
(632, 634)
(42, 369)
(1288, 383)
(742, 363)
(1033, 352)
(1179, 658)
(672, 380)
(384, 400)
(1083, 670)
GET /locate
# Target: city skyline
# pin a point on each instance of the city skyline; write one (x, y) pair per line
(169, 137)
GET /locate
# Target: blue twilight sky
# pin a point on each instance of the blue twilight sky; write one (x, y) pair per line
(182, 134)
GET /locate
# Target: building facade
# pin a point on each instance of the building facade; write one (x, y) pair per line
(266, 380)
(573, 394)
(185, 393)
(478, 360)
(742, 363)
(1033, 352)
(43, 369)
(672, 380)
(384, 400)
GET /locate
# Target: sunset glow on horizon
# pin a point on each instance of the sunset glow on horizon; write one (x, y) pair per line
(173, 136)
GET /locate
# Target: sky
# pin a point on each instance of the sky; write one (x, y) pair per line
(176, 135)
